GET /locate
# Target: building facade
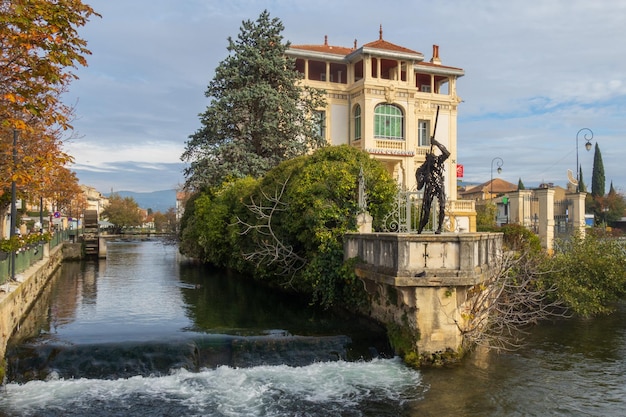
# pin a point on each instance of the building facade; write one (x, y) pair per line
(383, 98)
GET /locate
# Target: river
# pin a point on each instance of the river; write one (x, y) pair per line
(144, 334)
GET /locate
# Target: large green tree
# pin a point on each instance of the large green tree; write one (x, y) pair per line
(259, 114)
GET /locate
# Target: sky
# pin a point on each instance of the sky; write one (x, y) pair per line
(536, 73)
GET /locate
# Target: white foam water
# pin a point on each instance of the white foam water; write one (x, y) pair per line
(381, 387)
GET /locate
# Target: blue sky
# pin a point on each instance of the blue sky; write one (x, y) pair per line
(536, 72)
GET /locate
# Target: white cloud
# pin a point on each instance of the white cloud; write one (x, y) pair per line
(535, 74)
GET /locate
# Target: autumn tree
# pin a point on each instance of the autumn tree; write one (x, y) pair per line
(610, 208)
(165, 222)
(259, 114)
(65, 193)
(123, 212)
(170, 218)
(39, 49)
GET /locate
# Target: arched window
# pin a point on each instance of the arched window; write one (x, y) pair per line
(388, 122)
(357, 122)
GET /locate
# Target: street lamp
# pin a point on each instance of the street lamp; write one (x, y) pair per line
(500, 162)
(13, 224)
(587, 136)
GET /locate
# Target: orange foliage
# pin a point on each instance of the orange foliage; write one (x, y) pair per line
(39, 48)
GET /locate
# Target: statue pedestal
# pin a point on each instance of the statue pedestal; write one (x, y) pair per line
(422, 282)
(364, 222)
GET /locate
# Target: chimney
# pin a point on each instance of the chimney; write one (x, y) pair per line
(435, 59)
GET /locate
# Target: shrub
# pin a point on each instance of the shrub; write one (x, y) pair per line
(519, 238)
(288, 227)
(589, 273)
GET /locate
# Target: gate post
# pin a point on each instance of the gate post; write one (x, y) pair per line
(577, 216)
(546, 217)
(519, 206)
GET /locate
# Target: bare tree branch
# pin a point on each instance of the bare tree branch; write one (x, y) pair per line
(271, 249)
(499, 311)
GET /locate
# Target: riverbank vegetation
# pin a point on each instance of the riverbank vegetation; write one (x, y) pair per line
(287, 227)
(589, 272)
(585, 277)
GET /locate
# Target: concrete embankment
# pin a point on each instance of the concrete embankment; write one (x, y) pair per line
(17, 298)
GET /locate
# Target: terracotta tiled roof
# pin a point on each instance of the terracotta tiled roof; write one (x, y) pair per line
(388, 46)
(499, 186)
(340, 50)
(328, 49)
(430, 64)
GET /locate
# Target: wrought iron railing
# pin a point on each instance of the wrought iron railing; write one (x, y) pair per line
(406, 214)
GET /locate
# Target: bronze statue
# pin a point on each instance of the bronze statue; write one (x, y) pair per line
(430, 176)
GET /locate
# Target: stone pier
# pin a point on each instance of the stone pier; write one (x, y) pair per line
(420, 281)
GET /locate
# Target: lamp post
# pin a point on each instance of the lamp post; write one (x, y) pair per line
(13, 203)
(587, 136)
(499, 163)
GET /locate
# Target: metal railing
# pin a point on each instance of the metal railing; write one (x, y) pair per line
(28, 255)
(406, 213)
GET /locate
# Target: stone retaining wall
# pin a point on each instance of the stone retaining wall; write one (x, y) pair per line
(17, 298)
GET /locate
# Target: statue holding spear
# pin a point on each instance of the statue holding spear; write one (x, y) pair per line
(430, 177)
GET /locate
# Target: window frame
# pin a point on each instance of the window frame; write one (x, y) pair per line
(357, 123)
(320, 122)
(423, 132)
(388, 122)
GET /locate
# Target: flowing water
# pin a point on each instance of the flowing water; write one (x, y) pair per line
(142, 334)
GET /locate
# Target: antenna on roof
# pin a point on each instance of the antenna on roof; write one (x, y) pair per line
(380, 32)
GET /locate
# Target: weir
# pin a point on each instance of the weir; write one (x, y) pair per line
(193, 352)
(420, 281)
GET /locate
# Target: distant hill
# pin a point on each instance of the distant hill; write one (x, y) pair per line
(156, 200)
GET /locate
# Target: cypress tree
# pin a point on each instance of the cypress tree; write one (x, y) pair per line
(581, 184)
(597, 178)
(520, 184)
